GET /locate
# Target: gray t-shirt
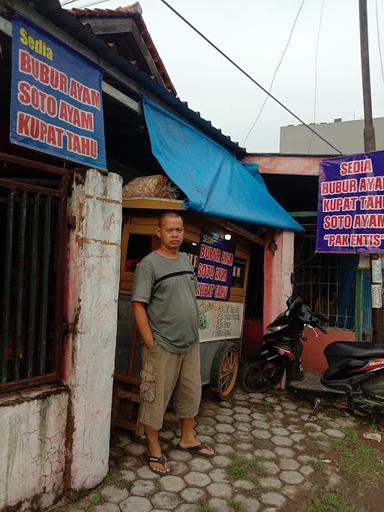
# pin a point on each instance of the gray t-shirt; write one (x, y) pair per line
(168, 286)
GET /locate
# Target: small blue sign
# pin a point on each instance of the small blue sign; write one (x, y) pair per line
(214, 268)
(351, 204)
(56, 98)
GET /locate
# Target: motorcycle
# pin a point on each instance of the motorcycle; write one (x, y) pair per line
(355, 369)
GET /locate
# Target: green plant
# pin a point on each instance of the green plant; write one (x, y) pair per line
(330, 502)
(358, 461)
(204, 507)
(242, 468)
(268, 406)
(115, 481)
(334, 413)
(371, 422)
(94, 500)
(236, 506)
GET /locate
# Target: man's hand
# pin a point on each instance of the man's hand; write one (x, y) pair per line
(139, 310)
(149, 345)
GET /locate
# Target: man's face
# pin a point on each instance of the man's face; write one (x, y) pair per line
(171, 232)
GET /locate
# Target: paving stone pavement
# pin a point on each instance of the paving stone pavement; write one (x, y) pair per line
(276, 430)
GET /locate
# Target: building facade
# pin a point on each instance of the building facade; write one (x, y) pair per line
(61, 223)
(347, 136)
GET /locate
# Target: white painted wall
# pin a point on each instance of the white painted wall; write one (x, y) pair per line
(32, 447)
(94, 275)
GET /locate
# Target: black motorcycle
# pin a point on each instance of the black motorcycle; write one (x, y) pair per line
(355, 369)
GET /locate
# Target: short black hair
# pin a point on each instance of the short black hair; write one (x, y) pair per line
(172, 214)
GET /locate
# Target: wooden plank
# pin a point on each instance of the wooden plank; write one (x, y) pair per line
(236, 298)
(231, 226)
(191, 237)
(124, 245)
(127, 424)
(120, 97)
(246, 277)
(193, 228)
(242, 252)
(142, 229)
(126, 281)
(126, 27)
(127, 395)
(303, 214)
(5, 26)
(149, 221)
(122, 377)
(153, 203)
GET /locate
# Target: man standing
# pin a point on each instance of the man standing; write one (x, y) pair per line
(165, 310)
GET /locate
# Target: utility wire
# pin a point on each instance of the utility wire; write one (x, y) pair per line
(274, 74)
(378, 38)
(248, 75)
(316, 63)
(90, 4)
(67, 2)
(230, 60)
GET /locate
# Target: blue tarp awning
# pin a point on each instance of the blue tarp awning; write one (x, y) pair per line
(213, 180)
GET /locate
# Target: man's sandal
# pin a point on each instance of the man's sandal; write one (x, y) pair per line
(150, 459)
(197, 450)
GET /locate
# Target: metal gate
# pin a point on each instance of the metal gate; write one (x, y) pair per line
(32, 233)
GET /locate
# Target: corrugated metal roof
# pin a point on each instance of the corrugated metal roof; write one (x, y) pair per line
(120, 12)
(131, 11)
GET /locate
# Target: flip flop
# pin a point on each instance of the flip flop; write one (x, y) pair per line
(150, 459)
(197, 450)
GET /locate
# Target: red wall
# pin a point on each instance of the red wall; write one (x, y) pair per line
(313, 357)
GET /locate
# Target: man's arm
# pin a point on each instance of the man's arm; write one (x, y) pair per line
(139, 310)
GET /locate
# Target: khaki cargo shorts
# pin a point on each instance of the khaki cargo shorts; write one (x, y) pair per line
(165, 375)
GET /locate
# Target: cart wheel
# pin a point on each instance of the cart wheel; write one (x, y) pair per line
(225, 367)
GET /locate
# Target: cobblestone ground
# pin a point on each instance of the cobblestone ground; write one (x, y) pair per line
(275, 429)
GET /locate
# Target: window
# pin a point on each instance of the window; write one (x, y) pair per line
(238, 273)
(32, 230)
(138, 247)
(326, 282)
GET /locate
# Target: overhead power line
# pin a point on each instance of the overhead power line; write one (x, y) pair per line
(67, 2)
(89, 4)
(275, 73)
(316, 63)
(248, 75)
(378, 39)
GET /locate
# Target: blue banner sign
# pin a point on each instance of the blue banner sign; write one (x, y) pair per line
(351, 204)
(214, 268)
(56, 98)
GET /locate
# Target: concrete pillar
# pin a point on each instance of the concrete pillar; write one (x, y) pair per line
(278, 267)
(91, 303)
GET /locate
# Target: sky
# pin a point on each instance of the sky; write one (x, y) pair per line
(254, 33)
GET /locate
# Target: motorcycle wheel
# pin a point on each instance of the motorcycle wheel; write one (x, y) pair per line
(260, 376)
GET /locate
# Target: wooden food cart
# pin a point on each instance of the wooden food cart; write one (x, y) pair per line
(221, 322)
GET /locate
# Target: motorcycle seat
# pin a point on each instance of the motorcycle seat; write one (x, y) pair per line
(354, 349)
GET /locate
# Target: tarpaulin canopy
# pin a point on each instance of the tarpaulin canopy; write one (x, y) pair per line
(213, 180)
